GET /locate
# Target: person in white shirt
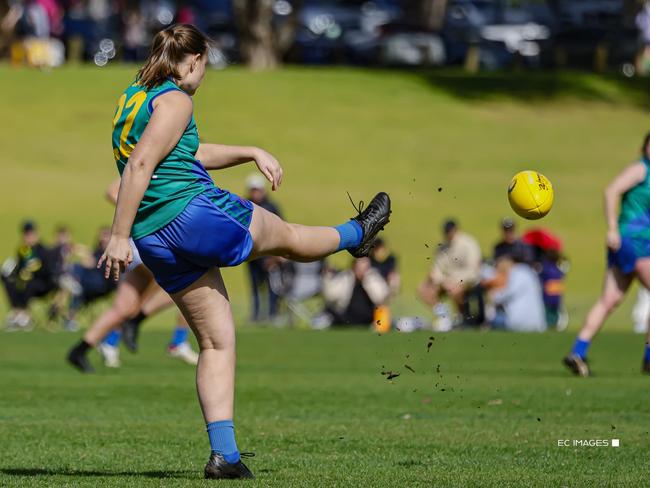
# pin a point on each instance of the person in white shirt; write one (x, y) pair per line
(519, 304)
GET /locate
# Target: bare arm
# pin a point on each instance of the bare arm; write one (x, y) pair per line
(172, 113)
(220, 156)
(627, 179)
(112, 191)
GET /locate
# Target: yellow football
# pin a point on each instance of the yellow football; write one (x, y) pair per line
(530, 195)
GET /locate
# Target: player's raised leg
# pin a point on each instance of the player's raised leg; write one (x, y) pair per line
(206, 306)
(273, 236)
(615, 286)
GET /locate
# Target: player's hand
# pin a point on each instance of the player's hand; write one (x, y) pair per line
(117, 256)
(613, 239)
(269, 167)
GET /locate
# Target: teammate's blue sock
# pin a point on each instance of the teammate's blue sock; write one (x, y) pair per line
(350, 233)
(222, 439)
(179, 336)
(646, 356)
(113, 339)
(580, 348)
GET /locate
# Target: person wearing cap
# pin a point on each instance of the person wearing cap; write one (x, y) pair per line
(456, 269)
(511, 245)
(31, 275)
(258, 269)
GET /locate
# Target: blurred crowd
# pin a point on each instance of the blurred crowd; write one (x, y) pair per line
(479, 34)
(519, 287)
(64, 272)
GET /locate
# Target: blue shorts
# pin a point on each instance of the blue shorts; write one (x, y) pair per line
(212, 231)
(626, 256)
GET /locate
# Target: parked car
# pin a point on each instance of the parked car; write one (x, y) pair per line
(337, 31)
(587, 25)
(502, 31)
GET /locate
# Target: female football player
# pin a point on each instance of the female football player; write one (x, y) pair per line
(185, 228)
(137, 297)
(628, 243)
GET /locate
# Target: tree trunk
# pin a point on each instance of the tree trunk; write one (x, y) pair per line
(255, 19)
(426, 14)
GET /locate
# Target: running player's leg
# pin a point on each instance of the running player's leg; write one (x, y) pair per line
(206, 307)
(179, 346)
(615, 286)
(642, 269)
(126, 303)
(273, 236)
(156, 301)
(645, 368)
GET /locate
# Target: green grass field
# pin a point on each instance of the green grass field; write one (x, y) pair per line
(338, 130)
(479, 409)
(484, 410)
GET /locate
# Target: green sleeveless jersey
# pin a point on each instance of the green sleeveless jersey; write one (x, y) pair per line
(177, 179)
(634, 218)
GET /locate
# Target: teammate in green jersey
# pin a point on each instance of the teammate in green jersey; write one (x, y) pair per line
(628, 248)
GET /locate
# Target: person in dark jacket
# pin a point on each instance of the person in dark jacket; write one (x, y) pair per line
(258, 269)
(511, 246)
(32, 275)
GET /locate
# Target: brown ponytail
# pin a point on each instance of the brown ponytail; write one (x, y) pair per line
(168, 49)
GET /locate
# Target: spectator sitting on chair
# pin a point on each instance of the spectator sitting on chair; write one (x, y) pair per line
(519, 305)
(31, 275)
(455, 271)
(351, 296)
(258, 269)
(511, 245)
(384, 261)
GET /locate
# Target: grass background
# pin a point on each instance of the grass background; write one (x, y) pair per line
(480, 409)
(338, 130)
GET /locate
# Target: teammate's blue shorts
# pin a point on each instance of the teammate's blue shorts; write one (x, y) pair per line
(626, 256)
(212, 231)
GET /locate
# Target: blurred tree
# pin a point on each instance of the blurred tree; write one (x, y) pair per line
(265, 37)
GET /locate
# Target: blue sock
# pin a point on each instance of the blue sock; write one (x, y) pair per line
(222, 439)
(646, 356)
(580, 348)
(350, 233)
(179, 336)
(113, 339)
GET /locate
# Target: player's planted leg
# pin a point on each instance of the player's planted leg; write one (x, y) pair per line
(206, 307)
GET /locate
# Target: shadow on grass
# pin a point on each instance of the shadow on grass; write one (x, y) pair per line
(91, 473)
(540, 87)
